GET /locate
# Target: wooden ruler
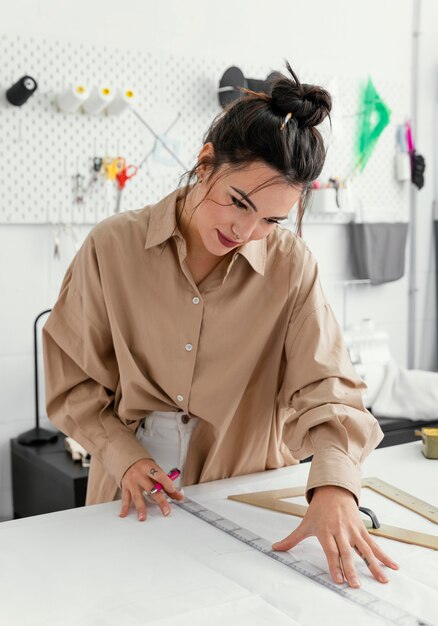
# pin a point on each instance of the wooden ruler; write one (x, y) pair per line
(275, 501)
(407, 500)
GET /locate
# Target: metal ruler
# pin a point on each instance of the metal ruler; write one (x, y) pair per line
(392, 613)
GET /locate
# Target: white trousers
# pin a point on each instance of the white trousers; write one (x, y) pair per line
(166, 436)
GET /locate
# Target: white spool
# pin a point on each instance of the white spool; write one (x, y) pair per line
(71, 98)
(403, 166)
(122, 100)
(99, 99)
(324, 201)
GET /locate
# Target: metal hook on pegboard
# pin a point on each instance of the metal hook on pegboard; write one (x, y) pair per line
(68, 230)
(79, 189)
(152, 150)
(56, 242)
(158, 139)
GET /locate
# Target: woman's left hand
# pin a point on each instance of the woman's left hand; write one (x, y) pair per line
(334, 518)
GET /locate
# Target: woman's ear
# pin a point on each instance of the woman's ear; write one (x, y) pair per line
(206, 153)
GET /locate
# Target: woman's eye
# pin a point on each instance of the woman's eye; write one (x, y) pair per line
(241, 205)
(238, 203)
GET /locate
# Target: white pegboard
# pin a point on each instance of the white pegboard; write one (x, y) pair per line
(43, 149)
(46, 148)
(375, 190)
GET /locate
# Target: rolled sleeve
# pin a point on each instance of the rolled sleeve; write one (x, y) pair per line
(340, 467)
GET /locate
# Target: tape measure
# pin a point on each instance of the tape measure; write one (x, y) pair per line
(365, 599)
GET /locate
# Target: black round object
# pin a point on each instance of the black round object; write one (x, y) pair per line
(21, 91)
(418, 165)
(273, 76)
(229, 84)
(256, 84)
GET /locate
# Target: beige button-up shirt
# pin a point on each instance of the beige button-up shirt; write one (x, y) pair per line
(267, 374)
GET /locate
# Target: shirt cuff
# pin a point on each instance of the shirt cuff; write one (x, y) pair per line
(120, 457)
(331, 467)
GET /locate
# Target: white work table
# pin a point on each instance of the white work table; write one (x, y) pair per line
(88, 567)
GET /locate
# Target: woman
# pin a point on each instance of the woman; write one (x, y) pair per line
(195, 333)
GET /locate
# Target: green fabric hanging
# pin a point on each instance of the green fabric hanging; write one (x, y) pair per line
(373, 118)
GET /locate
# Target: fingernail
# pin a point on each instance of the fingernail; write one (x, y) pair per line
(339, 578)
(166, 511)
(383, 579)
(141, 517)
(181, 491)
(355, 582)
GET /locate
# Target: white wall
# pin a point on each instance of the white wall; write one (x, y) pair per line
(340, 38)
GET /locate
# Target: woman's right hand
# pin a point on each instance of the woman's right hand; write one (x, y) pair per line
(142, 476)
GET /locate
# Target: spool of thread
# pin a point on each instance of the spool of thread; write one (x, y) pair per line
(403, 166)
(98, 100)
(71, 98)
(324, 201)
(21, 91)
(123, 99)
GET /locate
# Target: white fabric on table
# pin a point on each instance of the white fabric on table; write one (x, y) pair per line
(178, 570)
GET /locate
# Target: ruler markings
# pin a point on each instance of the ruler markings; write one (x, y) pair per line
(365, 599)
(409, 501)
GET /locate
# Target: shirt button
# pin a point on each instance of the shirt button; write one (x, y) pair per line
(189, 347)
(180, 398)
(196, 300)
(185, 419)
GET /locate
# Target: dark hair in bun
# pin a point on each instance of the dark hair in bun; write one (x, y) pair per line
(278, 128)
(309, 104)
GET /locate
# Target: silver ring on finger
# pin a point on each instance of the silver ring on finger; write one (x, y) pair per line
(147, 493)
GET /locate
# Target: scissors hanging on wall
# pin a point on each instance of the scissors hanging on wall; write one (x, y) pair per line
(122, 176)
(113, 166)
(117, 170)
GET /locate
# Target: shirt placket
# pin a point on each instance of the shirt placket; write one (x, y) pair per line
(194, 321)
(189, 348)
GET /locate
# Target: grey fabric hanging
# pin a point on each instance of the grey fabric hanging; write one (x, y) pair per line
(378, 251)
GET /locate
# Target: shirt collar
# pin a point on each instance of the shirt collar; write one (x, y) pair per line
(255, 253)
(163, 225)
(162, 221)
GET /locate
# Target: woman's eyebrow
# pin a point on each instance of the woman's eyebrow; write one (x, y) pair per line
(250, 202)
(245, 197)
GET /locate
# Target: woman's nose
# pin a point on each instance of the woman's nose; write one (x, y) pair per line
(245, 228)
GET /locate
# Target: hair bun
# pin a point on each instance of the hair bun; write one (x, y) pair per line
(308, 104)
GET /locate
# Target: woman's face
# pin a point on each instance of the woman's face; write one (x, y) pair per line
(232, 213)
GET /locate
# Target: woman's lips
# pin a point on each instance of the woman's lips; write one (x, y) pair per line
(228, 243)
